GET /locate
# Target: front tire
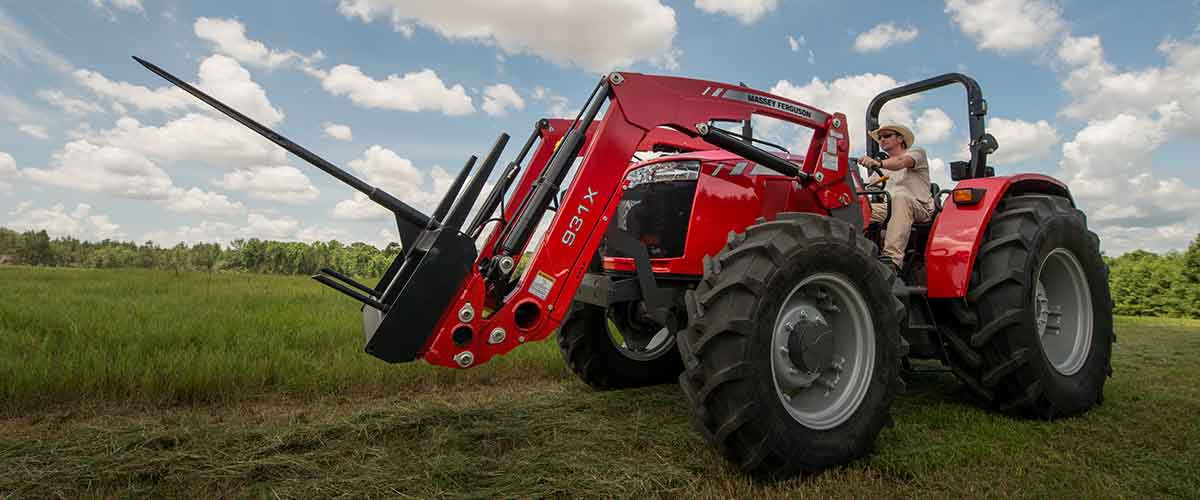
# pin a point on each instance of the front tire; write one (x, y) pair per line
(604, 362)
(1044, 344)
(792, 354)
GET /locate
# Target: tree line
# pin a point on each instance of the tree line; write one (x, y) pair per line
(1142, 283)
(36, 248)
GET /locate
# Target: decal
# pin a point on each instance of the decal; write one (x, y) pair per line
(829, 162)
(787, 107)
(541, 286)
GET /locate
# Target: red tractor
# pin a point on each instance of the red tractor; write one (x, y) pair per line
(750, 276)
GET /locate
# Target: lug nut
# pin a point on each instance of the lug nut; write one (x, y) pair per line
(464, 359)
(497, 336)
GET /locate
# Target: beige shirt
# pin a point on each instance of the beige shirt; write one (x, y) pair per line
(915, 180)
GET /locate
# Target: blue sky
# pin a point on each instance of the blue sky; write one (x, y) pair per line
(400, 92)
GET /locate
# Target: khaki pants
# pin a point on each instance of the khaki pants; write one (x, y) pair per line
(906, 211)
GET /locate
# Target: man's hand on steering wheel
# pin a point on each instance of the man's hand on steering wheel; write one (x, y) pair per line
(873, 164)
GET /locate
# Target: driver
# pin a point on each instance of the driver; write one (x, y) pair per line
(909, 188)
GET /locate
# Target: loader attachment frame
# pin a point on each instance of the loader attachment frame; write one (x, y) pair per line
(453, 305)
(529, 307)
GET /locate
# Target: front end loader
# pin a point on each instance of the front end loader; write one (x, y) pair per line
(680, 249)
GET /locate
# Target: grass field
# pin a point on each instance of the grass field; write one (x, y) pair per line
(143, 383)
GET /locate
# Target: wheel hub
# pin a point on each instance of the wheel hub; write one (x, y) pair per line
(823, 350)
(810, 345)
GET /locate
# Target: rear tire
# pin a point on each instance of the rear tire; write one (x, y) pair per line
(747, 392)
(590, 351)
(1043, 346)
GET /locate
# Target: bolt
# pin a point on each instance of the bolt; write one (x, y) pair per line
(466, 314)
(521, 339)
(550, 307)
(837, 123)
(506, 264)
(788, 327)
(702, 128)
(464, 359)
(819, 176)
(497, 336)
(616, 78)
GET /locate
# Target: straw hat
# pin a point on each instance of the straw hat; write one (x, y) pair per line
(904, 132)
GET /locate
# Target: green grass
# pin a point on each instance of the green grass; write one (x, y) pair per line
(177, 419)
(157, 336)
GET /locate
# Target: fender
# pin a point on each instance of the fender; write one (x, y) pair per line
(957, 231)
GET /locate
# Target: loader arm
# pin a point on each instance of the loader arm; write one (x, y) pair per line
(494, 311)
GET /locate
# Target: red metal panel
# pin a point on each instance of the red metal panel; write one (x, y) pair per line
(954, 238)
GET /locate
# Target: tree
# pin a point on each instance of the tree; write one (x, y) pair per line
(35, 249)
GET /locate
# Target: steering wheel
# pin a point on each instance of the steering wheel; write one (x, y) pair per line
(881, 155)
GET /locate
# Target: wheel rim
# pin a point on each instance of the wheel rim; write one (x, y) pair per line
(1062, 305)
(828, 393)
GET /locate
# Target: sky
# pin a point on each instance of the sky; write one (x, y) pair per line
(401, 92)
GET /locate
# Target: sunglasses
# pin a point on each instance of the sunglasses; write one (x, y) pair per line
(888, 136)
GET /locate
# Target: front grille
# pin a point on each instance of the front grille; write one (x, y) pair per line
(657, 214)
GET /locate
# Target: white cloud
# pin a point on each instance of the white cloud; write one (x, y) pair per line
(8, 170)
(1099, 90)
(84, 166)
(497, 99)
(558, 104)
(20, 48)
(130, 5)
(255, 225)
(939, 174)
(71, 105)
(314, 233)
(267, 227)
(229, 37)
(1081, 51)
(1129, 115)
(166, 98)
(220, 76)
(746, 11)
(36, 131)
(598, 35)
(795, 43)
(1108, 167)
(933, 126)
(1021, 140)
(285, 184)
(417, 91)
(850, 95)
(382, 167)
(205, 232)
(57, 222)
(339, 132)
(16, 111)
(1007, 25)
(196, 201)
(226, 80)
(884, 35)
(217, 141)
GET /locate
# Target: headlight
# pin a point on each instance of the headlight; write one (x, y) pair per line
(667, 171)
